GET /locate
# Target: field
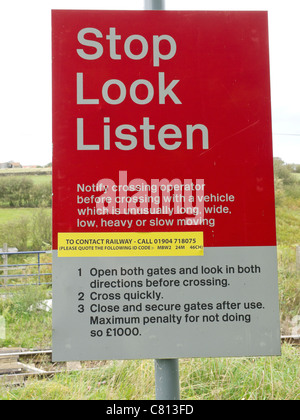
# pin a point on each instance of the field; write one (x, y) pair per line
(265, 378)
(24, 171)
(11, 215)
(25, 209)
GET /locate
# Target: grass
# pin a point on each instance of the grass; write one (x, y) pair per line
(297, 176)
(26, 229)
(40, 179)
(26, 171)
(10, 214)
(14, 214)
(289, 286)
(288, 222)
(26, 325)
(265, 378)
(37, 178)
(288, 238)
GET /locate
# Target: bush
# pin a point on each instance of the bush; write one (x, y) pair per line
(41, 233)
(41, 196)
(15, 191)
(27, 299)
(295, 168)
(287, 185)
(26, 325)
(16, 233)
(28, 233)
(21, 191)
(283, 172)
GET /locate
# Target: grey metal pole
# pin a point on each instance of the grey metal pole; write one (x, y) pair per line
(5, 263)
(166, 370)
(167, 379)
(154, 4)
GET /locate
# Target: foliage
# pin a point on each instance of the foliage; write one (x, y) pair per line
(283, 172)
(28, 233)
(24, 321)
(21, 191)
(294, 167)
(16, 233)
(287, 194)
(41, 235)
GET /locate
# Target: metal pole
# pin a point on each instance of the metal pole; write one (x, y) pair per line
(5, 263)
(167, 379)
(154, 4)
(39, 268)
(166, 370)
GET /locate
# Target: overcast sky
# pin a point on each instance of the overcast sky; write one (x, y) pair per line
(25, 71)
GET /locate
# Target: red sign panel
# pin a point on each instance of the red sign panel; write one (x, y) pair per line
(158, 126)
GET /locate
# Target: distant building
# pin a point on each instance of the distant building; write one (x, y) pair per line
(5, 165)
(10, 165)
(16, 164)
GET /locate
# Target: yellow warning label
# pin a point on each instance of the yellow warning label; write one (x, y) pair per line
(130, 244)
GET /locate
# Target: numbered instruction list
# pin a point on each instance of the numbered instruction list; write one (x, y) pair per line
(158, 307)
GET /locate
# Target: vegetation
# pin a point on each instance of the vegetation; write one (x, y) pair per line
(287, 187)
(30, 232)
(265, 378)
(47, 170)
(25, 211)
(27, 326)
(22, 191)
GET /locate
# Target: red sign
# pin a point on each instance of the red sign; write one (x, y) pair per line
(163, 123)
(163, 208)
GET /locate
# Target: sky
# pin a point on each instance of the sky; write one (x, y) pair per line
(25, 71)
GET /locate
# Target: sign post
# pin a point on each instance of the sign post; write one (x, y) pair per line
(164, 242)
(154, 4)
(167, 382)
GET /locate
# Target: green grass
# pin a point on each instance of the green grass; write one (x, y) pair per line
(44, 178)
(288, 222)
(265, 378)
(288, 238)
(297, 176)
(40, 179)
(25, 228)
(10, 215)
(26, 326)
(26, 171)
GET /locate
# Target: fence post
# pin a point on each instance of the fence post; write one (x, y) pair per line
(39, 268)
(5, 263)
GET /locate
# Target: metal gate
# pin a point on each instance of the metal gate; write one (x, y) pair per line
(34, 273)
